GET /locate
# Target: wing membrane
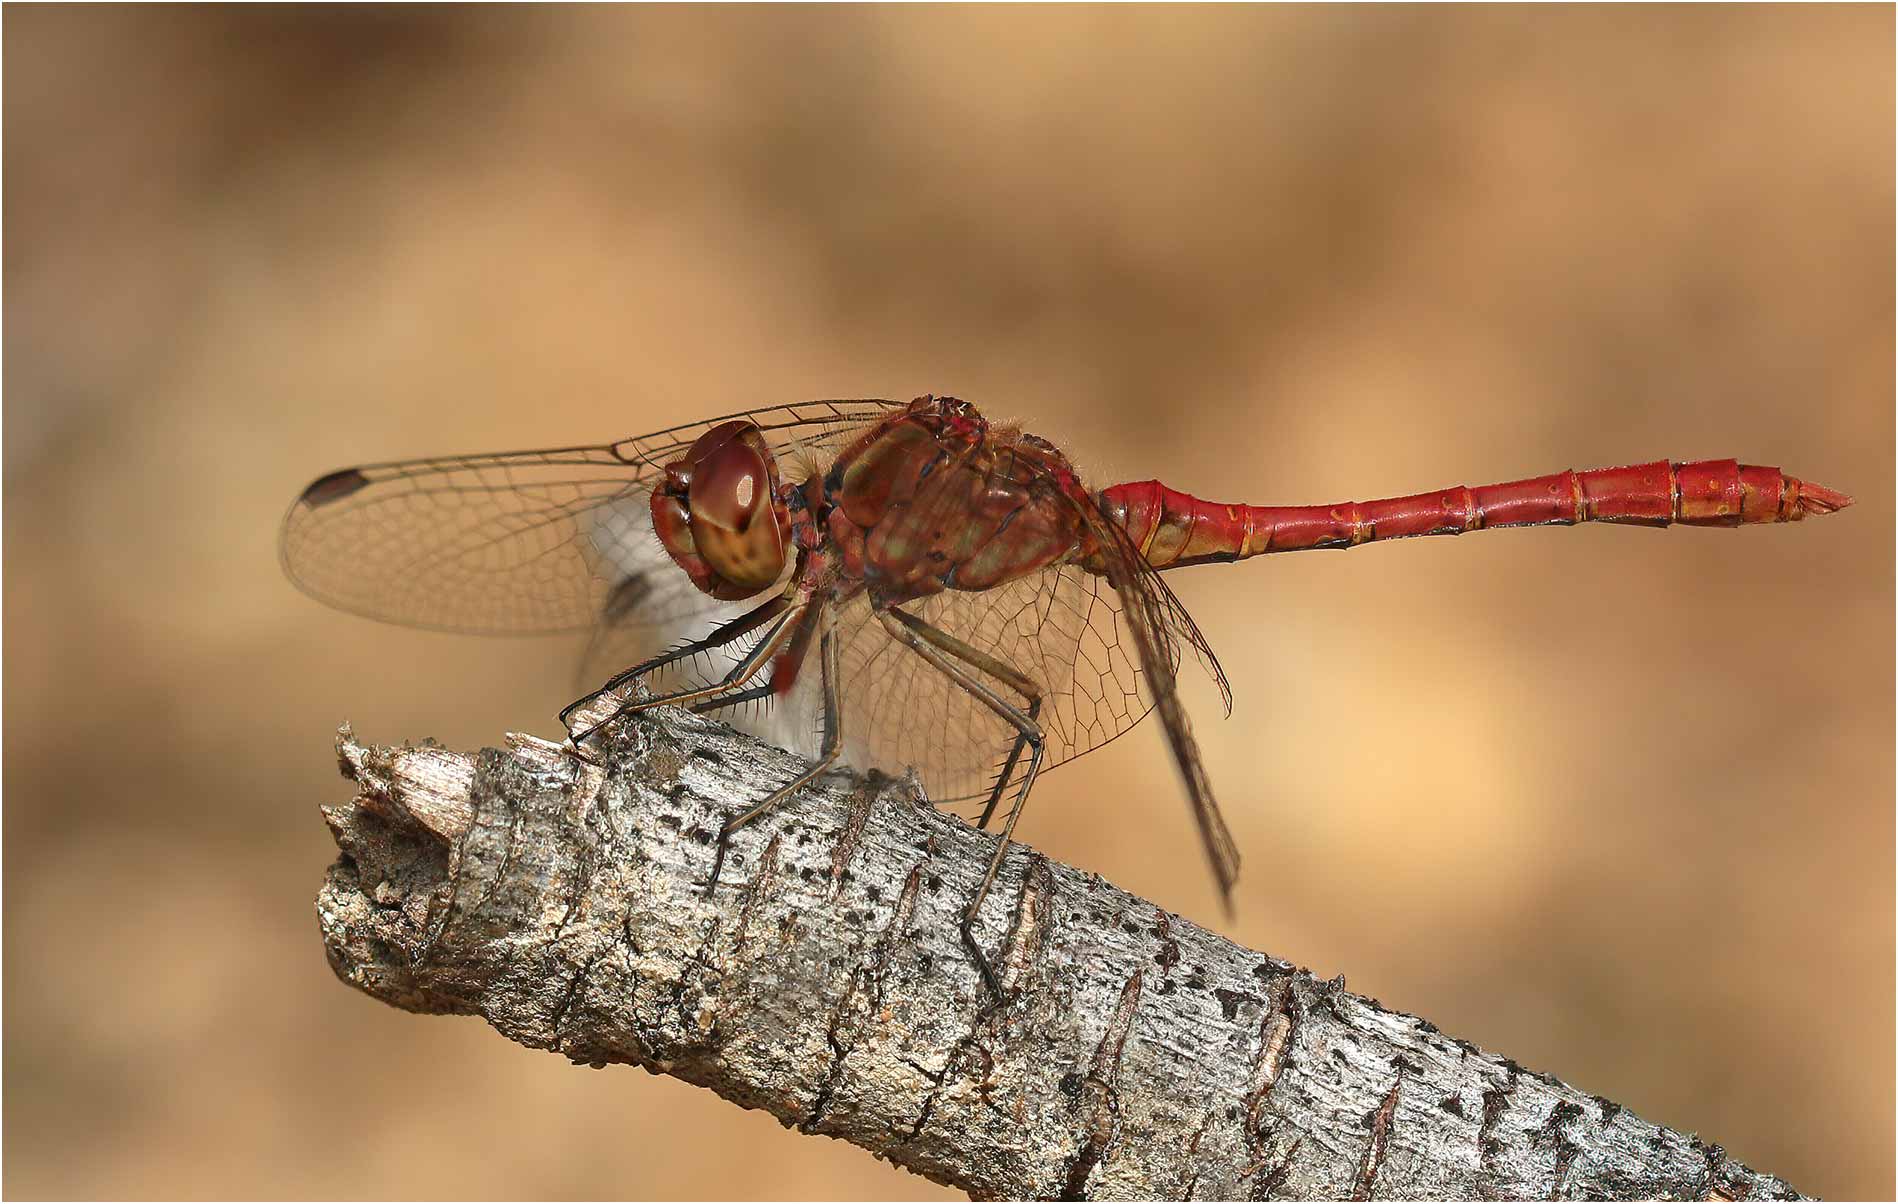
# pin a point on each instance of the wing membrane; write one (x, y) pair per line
(1105, 650)
(1060, 627)
(520, 543)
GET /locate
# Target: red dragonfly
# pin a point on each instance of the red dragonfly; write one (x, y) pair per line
(978, 613)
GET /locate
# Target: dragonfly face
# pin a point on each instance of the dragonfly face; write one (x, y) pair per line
(718, 513)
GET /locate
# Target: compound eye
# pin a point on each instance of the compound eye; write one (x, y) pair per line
(736, 520)
(730, 484)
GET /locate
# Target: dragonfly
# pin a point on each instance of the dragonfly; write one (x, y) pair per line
(943, 591)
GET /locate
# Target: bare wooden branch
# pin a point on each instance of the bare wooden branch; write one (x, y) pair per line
(1132, 1054)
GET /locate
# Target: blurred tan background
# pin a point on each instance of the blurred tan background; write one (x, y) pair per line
(1617, 803)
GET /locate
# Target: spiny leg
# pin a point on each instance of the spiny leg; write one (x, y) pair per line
(747, 668)
(749, 694)
(1008, 766)
(828, 666)
(937, 647)
(720, 636)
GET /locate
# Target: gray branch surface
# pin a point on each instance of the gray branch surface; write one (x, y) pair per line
(1130, 1055)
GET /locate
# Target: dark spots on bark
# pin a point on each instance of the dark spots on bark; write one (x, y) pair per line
(1168, 955)
(1715, 1159)
(1453, 1104)
(1555, 1129)
(1229, 1001)
(1495, 1101)
(671, 821)
(1329, 993)
(1609, 1109)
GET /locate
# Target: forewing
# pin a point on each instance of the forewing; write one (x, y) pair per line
(522, 543)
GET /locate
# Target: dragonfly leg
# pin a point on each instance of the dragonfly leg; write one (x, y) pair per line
(944, 651)
(1008, 766)
(747, 668)
(833, 746)
(1021, 683)
(763, 689)
(720, 636)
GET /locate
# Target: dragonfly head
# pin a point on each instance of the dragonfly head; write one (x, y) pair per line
(718, 513)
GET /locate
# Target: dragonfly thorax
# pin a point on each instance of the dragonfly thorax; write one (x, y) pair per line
(718, 512)
(937, 499)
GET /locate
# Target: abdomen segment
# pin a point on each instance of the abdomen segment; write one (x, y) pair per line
(1173, 529)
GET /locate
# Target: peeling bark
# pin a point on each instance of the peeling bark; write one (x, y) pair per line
(1131, 1054)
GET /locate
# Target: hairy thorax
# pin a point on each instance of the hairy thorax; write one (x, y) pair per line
(936, 499)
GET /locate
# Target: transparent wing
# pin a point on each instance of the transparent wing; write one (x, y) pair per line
(1067, 629)
(522, 543)
(1105, 650)
(1060, 627)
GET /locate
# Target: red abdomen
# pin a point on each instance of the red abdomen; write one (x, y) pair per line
(1172, 528)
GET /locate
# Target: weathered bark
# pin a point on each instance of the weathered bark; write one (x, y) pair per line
(1131, 1054)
